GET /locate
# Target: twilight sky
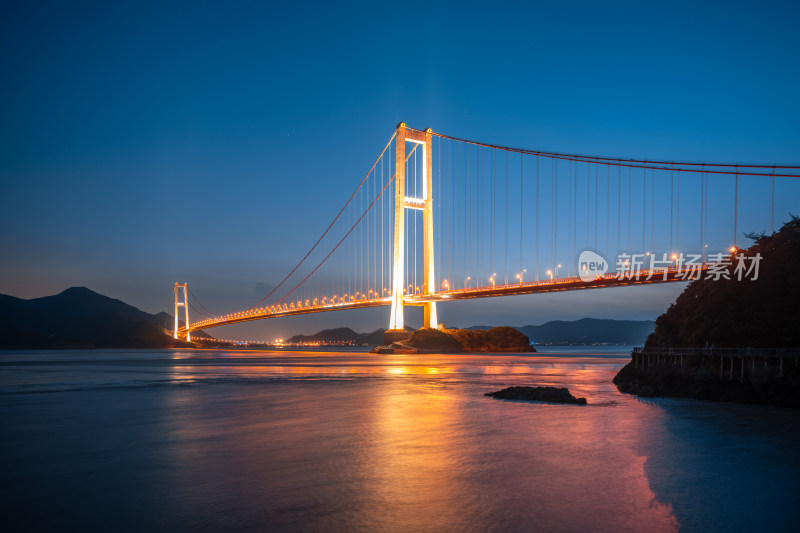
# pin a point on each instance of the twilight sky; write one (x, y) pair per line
(147, 143)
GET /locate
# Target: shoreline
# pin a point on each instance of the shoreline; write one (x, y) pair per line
(740, 376)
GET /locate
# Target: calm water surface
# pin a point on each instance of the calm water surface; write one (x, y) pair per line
(196, 440)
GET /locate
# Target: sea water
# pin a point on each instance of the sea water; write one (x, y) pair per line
(199, 440)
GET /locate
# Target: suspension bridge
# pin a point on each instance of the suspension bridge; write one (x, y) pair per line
(439, 218)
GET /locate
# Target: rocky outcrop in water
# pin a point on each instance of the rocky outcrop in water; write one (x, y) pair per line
(537, 394)
(495, 340)
(503, 339)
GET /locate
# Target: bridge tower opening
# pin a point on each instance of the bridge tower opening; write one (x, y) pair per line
(424, 204)
(181, 296)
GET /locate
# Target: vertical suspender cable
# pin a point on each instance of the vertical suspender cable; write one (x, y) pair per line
(608, 205)
(736, 208)
(652, 210)
(491, 223)
(467, 215)
(671, 209)
(629, 212)
(678, 215)
(596, 194)
(506, 212)
(772, 202)
(370, 257)
(521, 179)
(619, 207)
(375, 237)
(537, 218)
(588, 198)
(382, 215)
(360, 245)
(702, 205)
(705, 216)
(553, 189)
(569, 220)
(644, 209)
(470, 216)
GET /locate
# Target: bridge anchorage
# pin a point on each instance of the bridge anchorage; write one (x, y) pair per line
(440, 218)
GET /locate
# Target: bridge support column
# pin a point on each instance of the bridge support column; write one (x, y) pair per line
(430, 318)
(398, 275)
(181, 296)
(425, 204)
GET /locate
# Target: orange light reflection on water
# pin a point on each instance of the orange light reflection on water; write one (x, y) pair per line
(431, 453)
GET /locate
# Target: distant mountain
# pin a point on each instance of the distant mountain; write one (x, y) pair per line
(328, 335)
(342, 335)
(579, 332)
(590, 331)
(80, 318)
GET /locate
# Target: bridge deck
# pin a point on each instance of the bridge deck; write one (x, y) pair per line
(641, 277)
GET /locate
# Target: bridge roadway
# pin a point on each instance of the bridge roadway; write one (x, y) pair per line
(531, 287)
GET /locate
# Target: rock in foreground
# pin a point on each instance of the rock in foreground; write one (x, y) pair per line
(537, 394)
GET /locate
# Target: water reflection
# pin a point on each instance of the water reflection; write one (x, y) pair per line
(416, 473)
(408, 441)
(357, 442)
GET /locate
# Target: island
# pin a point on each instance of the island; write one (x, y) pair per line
(503, 339)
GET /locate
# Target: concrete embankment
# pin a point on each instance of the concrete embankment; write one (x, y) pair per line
(735, 375)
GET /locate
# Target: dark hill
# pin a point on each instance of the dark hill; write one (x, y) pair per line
(722, 325)
(564, 332)
(590, 331)
(79, 318)
(328, 335)
(587, 331)
(342, 335)
(732, 313)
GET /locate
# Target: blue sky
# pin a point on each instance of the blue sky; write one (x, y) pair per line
(145, 143)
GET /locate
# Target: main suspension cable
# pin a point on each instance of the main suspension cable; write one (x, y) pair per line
(289, 275)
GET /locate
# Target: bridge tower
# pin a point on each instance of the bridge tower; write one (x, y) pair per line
(424, 204)
(181, 295)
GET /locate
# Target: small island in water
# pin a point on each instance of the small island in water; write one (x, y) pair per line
(502, 339)
(729, 340)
